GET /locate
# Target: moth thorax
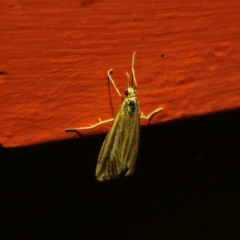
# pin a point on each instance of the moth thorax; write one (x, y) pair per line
(131, 105)
(130, 92)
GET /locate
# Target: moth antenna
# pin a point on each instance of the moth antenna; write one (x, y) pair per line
(128, 77)
(147, 89)
(133, 72)
(109, 76)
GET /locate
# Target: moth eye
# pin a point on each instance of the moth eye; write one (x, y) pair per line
(126, 92)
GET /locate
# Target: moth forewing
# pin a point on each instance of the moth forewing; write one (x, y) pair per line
(132, 142)
(119, 150)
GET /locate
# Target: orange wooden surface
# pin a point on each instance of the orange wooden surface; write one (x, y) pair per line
(54, 57)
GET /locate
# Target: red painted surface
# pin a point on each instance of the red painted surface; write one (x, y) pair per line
(54, 57)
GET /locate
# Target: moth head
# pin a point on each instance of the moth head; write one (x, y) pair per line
(130, 92)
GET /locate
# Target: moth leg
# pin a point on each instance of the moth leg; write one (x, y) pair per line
(109, 76)
(150, 115)
(90, 127)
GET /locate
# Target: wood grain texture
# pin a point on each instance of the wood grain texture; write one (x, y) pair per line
(54, 57)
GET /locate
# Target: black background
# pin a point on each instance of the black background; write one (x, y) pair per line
(186, 185)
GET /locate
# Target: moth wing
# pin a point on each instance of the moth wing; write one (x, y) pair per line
(120, 148)
(132, 142)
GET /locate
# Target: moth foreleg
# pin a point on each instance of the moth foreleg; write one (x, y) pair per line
(89, 127)
(109, 76)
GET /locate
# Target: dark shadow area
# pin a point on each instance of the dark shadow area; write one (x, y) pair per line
(186, 186)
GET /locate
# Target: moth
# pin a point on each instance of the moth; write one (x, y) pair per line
(120, 148)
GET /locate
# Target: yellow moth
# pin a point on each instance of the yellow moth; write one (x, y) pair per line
(119, 150)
